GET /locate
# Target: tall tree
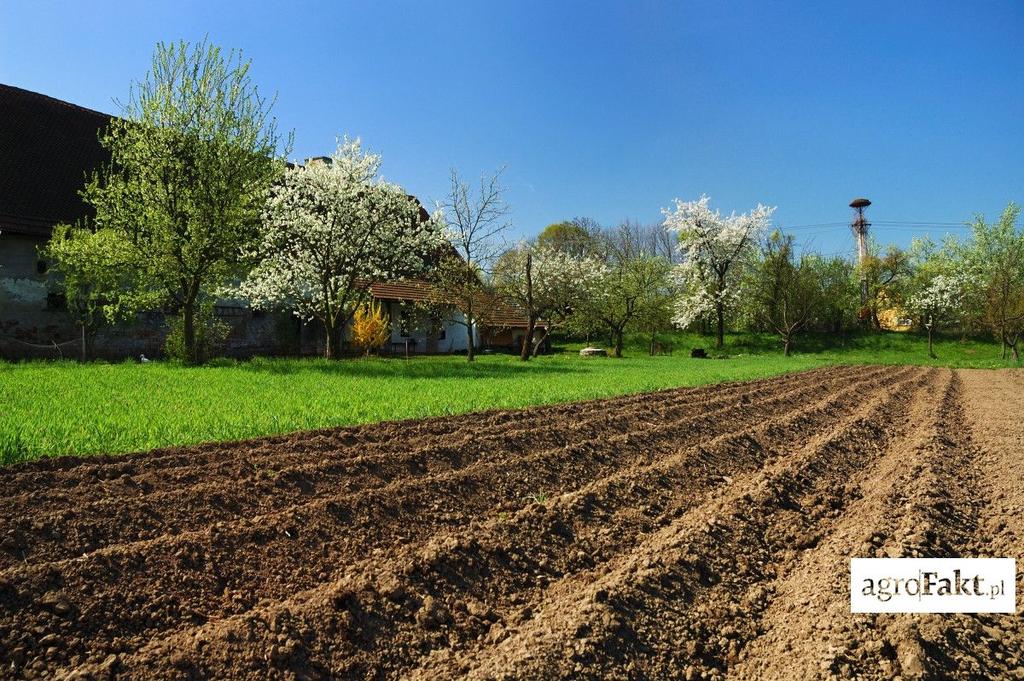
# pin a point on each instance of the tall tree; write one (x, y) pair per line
(994, 259)
(839, 291)
(785, 289)
(633, 281)
(476, 220)
(570, 237)
(888, 274)
(714, 250)
(545, 283)
(192, 160)
(329, 231)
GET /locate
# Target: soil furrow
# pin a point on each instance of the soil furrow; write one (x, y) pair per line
(219, 584)
(950, 507)
(692, 533)
(702, 564)
(597, 446)
(71, 472)
(263, 491)
(522, 553)
(821, 643)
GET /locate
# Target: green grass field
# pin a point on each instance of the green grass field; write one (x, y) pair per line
(57, 408)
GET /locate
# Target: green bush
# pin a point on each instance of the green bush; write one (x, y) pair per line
(211, 336)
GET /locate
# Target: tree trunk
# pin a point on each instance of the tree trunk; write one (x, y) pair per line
(787, 342)
(85, 354)
(931, 353)
(618, 343)
(188, 313)
(654, 342)
(531, 322)
(470, 349)
(719, 324)
(526, 351)
(540, 342)
(329, 341)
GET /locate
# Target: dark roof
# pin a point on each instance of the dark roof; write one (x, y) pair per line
(412, 290)
(497, 315)
(47, 148)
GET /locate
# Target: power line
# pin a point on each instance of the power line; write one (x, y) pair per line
(921, 222)
(919, 228)
(888, 224)
(819, 224)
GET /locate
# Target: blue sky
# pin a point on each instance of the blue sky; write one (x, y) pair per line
(608, 110)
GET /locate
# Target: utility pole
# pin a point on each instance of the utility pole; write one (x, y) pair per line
(860, 231)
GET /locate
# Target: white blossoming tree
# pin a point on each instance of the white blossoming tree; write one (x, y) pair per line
(545, 283)
(938, 302)
(329, 231)
(714, 250)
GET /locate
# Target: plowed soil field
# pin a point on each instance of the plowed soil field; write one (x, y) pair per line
(691, 533)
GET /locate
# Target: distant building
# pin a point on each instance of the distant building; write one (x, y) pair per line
(48, 147)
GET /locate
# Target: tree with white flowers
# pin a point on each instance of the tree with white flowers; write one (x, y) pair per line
(714, 249)
(938, 302)
(329, 231)
(545, 283)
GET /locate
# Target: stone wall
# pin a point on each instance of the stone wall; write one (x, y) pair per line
(30, 316)
(35, 324)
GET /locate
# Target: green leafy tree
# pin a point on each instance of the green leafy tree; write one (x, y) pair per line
(193, 158)
(93, 270)
(632, 287)
(994, 262)
(211, 336)
(840, 294)
(888, 275)
(570, 237)
(785, 289)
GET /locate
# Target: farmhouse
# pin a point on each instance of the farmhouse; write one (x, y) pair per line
(48, 148)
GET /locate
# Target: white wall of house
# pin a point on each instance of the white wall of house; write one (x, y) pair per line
(452, 339)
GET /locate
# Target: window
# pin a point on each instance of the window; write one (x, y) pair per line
(55, 301)
(228, 311)
(403, 323)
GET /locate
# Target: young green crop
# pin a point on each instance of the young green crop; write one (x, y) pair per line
(64, 408)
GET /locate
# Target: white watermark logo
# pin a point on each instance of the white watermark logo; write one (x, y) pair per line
(933, 585)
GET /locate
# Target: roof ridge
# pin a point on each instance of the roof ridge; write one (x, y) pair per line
(63, 102)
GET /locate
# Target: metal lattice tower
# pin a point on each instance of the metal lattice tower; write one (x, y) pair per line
(859, 226)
